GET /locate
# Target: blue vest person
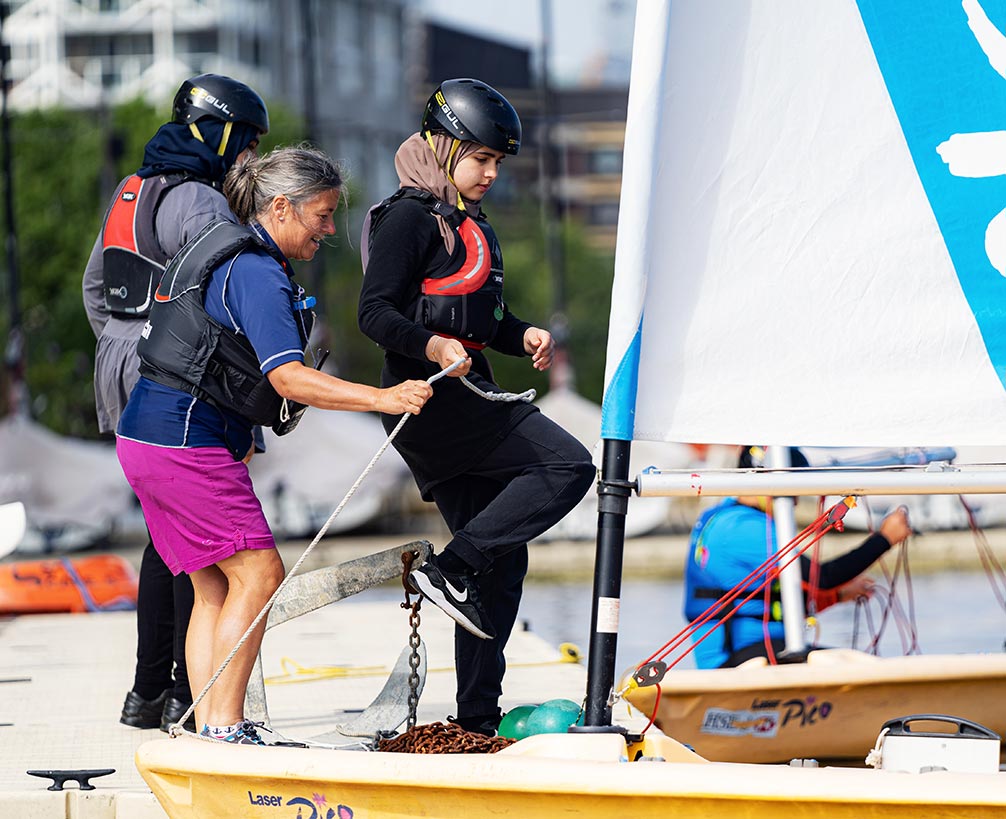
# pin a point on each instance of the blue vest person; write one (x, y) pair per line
(733, 538)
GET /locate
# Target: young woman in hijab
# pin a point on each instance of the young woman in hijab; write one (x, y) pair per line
(154, 212)
(223, 350)
(501, 473)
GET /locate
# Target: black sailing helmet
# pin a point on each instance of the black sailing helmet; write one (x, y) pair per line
(220, 97)
(471, 110)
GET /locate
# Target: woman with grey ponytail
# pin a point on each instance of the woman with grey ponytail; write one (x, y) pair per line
(298, 174)
(223, 351)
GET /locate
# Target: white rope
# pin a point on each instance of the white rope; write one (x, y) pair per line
(875, 758)
(177, 729)
(527, 395)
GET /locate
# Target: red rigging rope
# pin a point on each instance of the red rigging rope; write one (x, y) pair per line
(990, 563)
(652, 669)
(893, 609)
(763, 575)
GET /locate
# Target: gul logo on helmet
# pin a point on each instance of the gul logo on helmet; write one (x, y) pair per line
(202, 94)
(448, 112)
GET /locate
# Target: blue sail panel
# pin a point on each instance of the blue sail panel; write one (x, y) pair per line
(618, 408)
(943, 64)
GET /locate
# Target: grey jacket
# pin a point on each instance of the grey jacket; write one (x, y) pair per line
(184, 211)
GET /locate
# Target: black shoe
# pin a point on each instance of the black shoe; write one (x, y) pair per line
(485, 724)
(173, 710)
(141, 713)
(457, 595)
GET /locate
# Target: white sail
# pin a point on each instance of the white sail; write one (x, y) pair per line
(812, 242)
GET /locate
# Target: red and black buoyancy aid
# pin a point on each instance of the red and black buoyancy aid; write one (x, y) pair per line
(183, 347)
(132, 257)
(463, 297)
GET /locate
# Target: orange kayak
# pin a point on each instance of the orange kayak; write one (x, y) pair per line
(95, 583)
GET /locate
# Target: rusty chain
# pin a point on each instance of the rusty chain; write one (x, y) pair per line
(437, 737)
(441, 738)
(414, 640)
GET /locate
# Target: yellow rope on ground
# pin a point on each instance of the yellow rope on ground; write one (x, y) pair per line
(294, 672)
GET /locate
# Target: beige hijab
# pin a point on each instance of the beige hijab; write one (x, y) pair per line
(419, 167)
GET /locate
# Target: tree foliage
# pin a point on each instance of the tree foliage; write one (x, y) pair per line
(66, 165)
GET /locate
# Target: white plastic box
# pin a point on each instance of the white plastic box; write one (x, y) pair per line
(966, 747)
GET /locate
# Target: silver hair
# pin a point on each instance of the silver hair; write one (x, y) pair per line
(299, 173)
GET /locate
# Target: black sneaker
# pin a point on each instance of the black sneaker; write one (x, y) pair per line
(457, 595)
(485, 724)
(173, 710)
(140, 713)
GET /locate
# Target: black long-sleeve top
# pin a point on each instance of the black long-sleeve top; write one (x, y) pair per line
(840, 570)
(456, 428)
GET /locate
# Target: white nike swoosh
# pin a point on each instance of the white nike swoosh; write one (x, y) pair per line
(458, 595)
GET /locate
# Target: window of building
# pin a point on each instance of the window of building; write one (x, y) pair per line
(197, 42)
(603, 213)
(101, 45)
(387, 48)
(105, 5)
(348, 46)
(605, 160)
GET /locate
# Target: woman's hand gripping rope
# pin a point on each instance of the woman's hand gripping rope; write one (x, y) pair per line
(439, 349)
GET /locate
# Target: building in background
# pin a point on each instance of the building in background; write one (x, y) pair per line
(358, 71)
(346, 66)
(89, 53)
(581, 172)
(338, 63)
(588, 134)
(444, 53)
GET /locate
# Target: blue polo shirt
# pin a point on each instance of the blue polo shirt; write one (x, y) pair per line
(252, 295)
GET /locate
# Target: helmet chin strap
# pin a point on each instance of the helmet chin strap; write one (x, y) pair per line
(228, 126)
(455, 144)
(225, 138)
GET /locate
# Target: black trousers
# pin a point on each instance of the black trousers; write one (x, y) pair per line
(526, 485)
(163, 608)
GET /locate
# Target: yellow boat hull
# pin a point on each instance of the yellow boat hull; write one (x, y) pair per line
(542, 776)
(830, 708)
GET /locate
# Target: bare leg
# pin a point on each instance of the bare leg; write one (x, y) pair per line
(209, 586)
(251, 576)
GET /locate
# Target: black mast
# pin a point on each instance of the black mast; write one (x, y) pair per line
(613, 491)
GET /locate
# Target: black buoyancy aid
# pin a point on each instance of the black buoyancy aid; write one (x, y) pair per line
(182, 346)
(132, 257)
(463, 297)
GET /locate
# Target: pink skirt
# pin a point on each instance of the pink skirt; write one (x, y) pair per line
(199, 503)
